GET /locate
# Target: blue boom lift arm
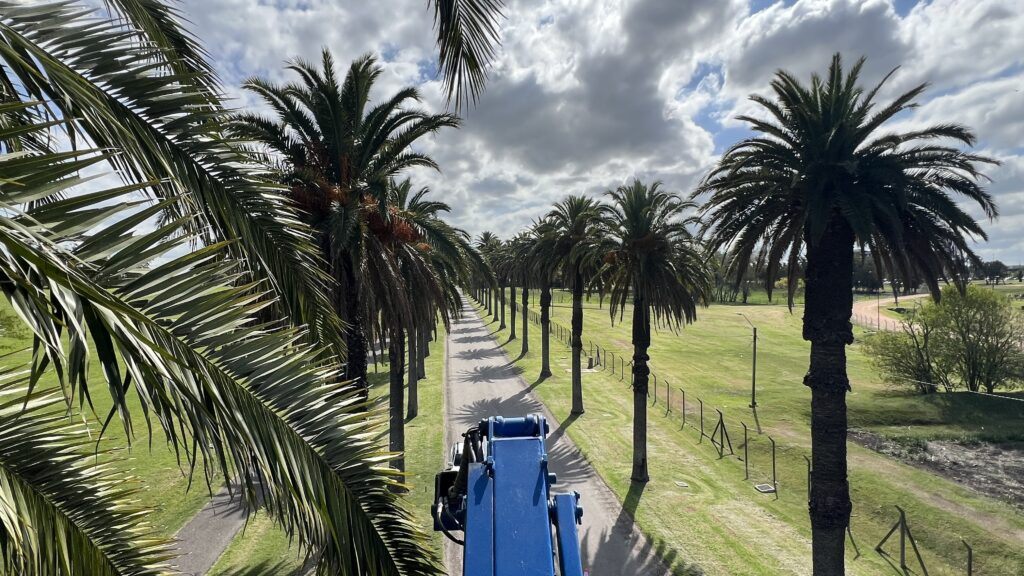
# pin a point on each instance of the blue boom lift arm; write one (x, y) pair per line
(497, 492)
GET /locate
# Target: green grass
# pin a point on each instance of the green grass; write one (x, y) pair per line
(162, 484)
(719, 522)
(263, 544)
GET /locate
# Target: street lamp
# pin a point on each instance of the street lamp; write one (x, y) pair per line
(753, 374)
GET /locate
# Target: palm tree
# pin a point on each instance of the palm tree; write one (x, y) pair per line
(448, 261)
(819, 180)
(488, 245)
(520, 247)
(337, 158)
(650, 258)
(575, 235)
(543, 262)
(204, 317)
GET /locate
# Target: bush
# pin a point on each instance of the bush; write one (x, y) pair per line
(973, 340)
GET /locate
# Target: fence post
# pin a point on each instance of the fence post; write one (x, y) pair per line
(746, 452)
(701, 420)
(655, 389)
(775, 481)
(970, 558)
(668, 397)
(684, 406)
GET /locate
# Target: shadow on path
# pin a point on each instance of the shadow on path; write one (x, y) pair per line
(480, 374)
(478, 353)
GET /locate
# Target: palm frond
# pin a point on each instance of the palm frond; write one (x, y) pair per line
(61, 512)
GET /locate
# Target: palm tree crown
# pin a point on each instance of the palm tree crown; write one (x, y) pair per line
(338, 156)
(819, 165)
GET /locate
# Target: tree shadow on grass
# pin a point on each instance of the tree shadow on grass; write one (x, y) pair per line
(267, 567)
(617, 552)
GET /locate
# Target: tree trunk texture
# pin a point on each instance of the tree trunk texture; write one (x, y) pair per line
(494, 309)
(827, 311)
(396, 363)
(526, 320)
(641, 342)
(512, 312)
(577, 344)
(545, 330)
(501, 306)
(424, 351)
(413, 375)
(355, 338)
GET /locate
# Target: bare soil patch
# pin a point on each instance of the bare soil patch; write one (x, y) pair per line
(995, 470)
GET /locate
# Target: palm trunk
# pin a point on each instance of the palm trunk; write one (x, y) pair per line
(512, 312)
(545, 330)
(396, 362)
(577, 344)
(424, 351)
(641, 341)
(355, 338)
(526, 320)
(494, 309)
(501, 305)
(827, 311)
(413, 375)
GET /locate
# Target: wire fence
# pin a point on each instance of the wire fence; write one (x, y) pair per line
(729, 437)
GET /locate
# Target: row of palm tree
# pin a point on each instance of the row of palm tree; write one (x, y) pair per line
(228, 282)
(818, 181)
(395, 264)
(637, 249)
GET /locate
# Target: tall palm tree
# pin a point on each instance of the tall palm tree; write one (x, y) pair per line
(819, 180)
(543, 263)
(576, 235)
(652, 261)
(337, 157)
(520, 247)
(448, 262)
(488, 244)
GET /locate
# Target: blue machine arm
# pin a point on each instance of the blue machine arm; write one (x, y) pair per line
(498, 494)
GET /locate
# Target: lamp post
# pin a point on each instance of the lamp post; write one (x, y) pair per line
(753, 373)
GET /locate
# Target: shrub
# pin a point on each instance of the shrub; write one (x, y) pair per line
(973, 340)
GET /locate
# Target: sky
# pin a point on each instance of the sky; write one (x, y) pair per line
(586, 95)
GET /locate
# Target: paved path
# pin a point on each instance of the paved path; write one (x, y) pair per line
(866, 312)
(481, 382)
(202, 540)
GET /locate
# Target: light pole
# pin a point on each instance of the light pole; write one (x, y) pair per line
(753, 373)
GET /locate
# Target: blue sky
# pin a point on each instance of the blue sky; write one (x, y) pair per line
(587, 95)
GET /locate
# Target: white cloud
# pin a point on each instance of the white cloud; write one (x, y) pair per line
(585, 94)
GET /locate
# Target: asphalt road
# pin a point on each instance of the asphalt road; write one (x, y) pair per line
(202, 540)
(482, 382)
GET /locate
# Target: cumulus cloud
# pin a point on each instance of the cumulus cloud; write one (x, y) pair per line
(586, 94)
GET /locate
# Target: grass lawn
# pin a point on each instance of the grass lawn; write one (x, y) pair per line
(161, 482)
(718, 522)
(263, 548)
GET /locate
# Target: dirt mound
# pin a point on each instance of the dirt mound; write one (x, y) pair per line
(995, 470)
